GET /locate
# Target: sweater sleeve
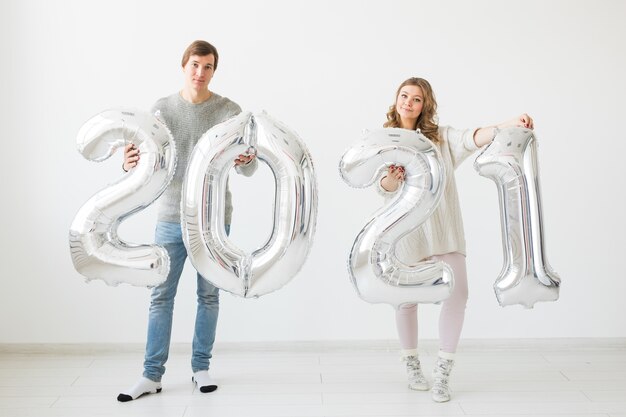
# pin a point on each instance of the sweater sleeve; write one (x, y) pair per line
(460, 143)
(233, 110)
(155, 110)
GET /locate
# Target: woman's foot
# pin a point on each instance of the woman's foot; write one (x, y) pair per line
(417, 381)
(441, 375)
(141, 387)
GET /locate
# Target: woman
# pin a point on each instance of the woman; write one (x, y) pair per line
(441, 237)
(188, 114)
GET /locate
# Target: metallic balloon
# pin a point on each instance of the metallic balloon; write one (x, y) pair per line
(511, 161)
(377, 274)
(96, 249)
(211, 252)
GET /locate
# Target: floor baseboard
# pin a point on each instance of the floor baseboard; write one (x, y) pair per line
(466, 345)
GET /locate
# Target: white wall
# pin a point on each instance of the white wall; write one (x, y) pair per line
(328, 69)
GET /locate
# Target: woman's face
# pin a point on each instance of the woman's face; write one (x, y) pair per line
(409, 104)
(199, 71)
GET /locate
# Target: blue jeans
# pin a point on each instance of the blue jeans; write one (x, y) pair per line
(170, 236)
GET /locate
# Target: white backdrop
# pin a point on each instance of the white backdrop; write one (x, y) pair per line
(328, 69)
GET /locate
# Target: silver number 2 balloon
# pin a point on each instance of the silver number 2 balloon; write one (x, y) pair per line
(96, 249)
(511, 161)
(203, 210)
(377, 274)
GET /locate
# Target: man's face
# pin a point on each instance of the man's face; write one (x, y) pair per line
(199, 71)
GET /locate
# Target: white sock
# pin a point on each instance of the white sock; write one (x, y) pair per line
(141, 387)
(204, 382)
(447, 355)
(408, 352)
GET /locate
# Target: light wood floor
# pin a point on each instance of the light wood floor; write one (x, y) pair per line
(580, 377)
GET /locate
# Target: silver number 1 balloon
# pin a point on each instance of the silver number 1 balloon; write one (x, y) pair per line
(96, 249)
(511, 161)
(203, 205)
(376, 273)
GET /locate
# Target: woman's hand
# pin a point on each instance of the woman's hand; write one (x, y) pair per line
(131, 157)
(395, 176)
(523, 120)
(244, 159)
(485, 135)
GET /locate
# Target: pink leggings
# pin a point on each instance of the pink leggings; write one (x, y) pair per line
(452, 310)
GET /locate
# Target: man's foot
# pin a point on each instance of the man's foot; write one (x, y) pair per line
(143, 386)
(204, 382)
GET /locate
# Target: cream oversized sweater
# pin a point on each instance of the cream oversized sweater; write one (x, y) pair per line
(443, 231)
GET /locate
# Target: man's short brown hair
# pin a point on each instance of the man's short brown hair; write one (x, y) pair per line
(200, 48)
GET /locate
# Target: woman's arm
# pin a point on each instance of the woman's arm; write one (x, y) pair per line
(485, 135)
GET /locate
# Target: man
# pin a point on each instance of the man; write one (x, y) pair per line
(188, 114)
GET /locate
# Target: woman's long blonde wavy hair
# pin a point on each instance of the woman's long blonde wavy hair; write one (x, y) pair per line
(427, 120)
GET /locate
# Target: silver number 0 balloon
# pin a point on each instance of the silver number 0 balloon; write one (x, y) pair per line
(203, 209)
(511, 162)
(96, 249)
(376, 273)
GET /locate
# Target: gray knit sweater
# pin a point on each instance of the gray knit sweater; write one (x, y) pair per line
(188, 122)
